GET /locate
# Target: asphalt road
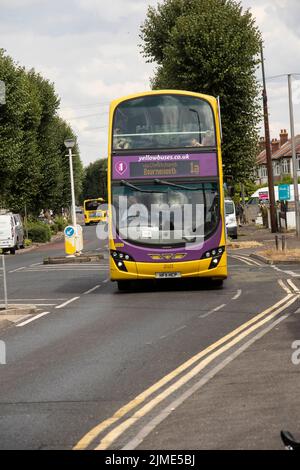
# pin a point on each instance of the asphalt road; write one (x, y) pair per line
(97, 350)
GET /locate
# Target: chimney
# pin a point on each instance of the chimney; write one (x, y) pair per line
(284, 137)
(275, 144)
(262, 144)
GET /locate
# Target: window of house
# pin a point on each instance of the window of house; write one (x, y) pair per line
(276, 168)
(263, 171)
(286, 167)
(298, 161)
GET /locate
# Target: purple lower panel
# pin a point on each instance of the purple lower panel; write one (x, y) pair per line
(142, 254)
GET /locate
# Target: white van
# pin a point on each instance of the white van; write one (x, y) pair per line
(262, 194)
(230, 217)
(11, 232)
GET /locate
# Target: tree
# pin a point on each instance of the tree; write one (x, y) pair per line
(211, 47)
(34, 167)
(94, 181)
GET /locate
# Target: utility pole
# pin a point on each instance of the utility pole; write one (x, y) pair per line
(268, 150)
(294, 159)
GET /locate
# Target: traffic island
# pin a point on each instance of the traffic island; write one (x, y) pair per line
(273, 256)
(83, 258)
(15, 313)
(18, 309)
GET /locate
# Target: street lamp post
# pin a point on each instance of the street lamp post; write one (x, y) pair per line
(294, 157)
(70, 143)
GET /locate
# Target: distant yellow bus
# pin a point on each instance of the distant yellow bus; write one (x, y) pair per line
(165, 152)
(93, 211)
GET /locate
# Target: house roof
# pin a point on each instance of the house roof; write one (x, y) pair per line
(284, 151)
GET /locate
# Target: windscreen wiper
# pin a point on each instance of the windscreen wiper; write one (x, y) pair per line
(179, 186)
(136, 188)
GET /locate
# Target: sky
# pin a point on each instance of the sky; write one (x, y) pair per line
(90, 50)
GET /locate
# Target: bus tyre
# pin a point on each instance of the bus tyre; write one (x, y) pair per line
(218, 283)
(13, 250)
(123, 285)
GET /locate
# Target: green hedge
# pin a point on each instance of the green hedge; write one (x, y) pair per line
(61, 223)
(39, 232)
(54, 228)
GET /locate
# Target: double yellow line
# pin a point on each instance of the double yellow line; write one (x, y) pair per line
(212, 352)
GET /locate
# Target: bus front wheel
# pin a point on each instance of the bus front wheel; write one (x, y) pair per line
(217, 283)
(124, 285)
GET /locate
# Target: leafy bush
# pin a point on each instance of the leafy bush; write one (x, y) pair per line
(60, 222)
(54, 228)
(39, 232)
(27, 242)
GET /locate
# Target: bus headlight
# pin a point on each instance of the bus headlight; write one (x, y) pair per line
(119, 259)
(215, 254)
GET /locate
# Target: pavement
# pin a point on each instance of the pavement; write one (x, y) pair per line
(177, 365)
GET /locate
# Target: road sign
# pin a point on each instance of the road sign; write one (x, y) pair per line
(70, 240)
(69, 231)
(284, 193)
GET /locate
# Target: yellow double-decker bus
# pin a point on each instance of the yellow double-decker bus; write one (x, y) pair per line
(165, 188)
(93, 210)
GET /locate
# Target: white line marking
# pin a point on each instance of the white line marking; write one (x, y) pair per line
(105, 281)
(213, 311)
(293, 286)
(91, 290)
(32, 300)
(36, 264)
(290, 273)
(284, 287)
(65, 270)
(243, 260)
(45, 305)
(18, 269)
(173, 332)
(67, 302)
(149, 427)
(32, 319)
(237, 295)
(249, 259)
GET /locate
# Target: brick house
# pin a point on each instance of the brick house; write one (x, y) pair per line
(281, 158)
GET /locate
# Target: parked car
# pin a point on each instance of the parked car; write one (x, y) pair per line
(230, 216)
(11, 232)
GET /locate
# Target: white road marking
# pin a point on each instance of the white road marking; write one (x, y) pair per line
(67, 302)
(293, 286)
(105, 281)
(149, 427)
(289, 273)
(213, 311)
(63, 270)
(91, 290)
(237, 295)
(45, 305)
(32, 300)
(172, 332)
(241, 259)
(32, 319)
(246, 260)
(18, 269)
(36, 264)
(284, 287)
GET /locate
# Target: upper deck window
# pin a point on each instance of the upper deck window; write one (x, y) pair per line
(163, 122)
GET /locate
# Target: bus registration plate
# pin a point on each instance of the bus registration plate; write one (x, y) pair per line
(167, 275)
